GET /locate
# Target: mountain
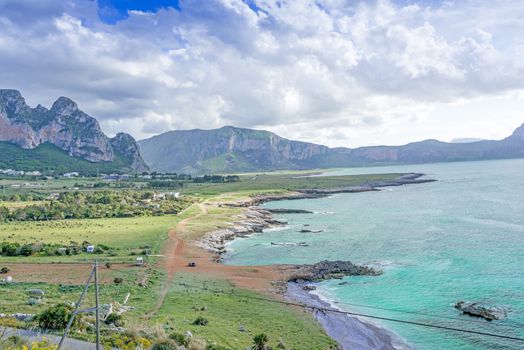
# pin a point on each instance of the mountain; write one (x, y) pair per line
(225, 149)
(69, 130)
(231, 149)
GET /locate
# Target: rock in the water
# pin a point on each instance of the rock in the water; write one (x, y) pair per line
(474, 309)
(332, 269)
(309, 287)
(289, 211)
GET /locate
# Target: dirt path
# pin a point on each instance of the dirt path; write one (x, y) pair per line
(178, 253)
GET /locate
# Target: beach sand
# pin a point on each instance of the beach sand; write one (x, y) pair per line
(350, 332)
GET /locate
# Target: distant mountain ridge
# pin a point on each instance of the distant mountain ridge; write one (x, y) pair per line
(66, 127)
(231, 149)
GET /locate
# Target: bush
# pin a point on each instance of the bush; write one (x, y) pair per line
(118, 280)
(56, 317)
(117, 320)
(200, 321)
(179, 338)
(165, 345)
(12, 341)
(33, 301)
(126, 341)
(260, 341)
(4, 269)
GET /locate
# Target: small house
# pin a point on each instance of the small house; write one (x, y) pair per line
(90, 249)
(139, 261)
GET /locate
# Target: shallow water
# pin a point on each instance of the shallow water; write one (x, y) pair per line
(461, 238)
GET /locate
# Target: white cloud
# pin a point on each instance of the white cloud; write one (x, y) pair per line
(332, 71)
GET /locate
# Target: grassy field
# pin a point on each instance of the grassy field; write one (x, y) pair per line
(123, 235)
(235, 315)
(279, 182)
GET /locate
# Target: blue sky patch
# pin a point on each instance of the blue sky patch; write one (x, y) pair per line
(112, 11)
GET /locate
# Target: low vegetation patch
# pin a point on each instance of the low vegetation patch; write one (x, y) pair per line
(97, 204)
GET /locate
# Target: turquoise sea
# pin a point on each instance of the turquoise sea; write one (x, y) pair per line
(460, 238)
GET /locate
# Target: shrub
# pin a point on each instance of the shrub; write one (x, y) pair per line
(4, 269)
(165, 345)
(12, 342)
(33, 301)
(56, 317)
(118, 280)
(127, 341)
(260, 341)
(179, 338)
(26, 250)
(117, 320)
(200, 321)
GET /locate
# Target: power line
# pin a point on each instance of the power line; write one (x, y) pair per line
(430, 315)
(324, 309)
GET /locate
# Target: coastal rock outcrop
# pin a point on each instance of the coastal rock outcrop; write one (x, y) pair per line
(490, 313)
(326, 269)
(252, 220)
(289, 211)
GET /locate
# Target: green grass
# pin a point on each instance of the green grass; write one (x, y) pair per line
(124, 235)
(233, 308)
(279, 182)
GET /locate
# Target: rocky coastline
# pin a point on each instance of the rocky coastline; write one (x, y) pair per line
(255, 219)
(298, 280)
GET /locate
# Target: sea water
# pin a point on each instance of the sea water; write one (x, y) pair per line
(460, 238)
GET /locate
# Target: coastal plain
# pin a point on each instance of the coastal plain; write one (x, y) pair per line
(236, 300)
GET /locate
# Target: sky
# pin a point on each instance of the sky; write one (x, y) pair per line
(336, 72)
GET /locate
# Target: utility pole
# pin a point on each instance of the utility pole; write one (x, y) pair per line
(94, 273)
(76, 311)
(97, 312)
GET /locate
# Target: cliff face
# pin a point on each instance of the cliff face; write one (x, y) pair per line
(125, 145)
(227, 149)
(230, 149)
(64, 126)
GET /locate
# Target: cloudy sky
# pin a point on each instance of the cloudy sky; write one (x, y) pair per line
(337, 72)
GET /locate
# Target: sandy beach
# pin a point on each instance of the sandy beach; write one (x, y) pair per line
(350, 332)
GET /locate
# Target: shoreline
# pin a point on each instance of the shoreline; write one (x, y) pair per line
(349, 332)
(256, 219)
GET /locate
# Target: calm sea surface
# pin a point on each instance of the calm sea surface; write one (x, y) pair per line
(460, 238)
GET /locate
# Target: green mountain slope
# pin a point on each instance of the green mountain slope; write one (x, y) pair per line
(48, 158)
(231, 149)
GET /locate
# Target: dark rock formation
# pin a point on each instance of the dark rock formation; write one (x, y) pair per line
(290, 211)
(488, 313)
(330, 270)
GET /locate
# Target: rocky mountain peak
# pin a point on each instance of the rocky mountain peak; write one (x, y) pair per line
(65, 126)
(64, 106)
(126, 145)
(12, 102)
